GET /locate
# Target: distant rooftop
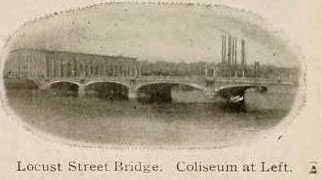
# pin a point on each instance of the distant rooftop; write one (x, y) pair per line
(70, 52)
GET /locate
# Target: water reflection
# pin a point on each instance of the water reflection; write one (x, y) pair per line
(188, 120)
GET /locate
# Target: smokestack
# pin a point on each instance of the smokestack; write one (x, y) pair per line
(223, 49)
(229, 54)
(243, 58)
(235, 57)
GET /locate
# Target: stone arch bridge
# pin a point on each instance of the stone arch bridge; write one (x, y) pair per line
(231, 89)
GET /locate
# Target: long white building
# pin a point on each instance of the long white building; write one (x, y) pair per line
(45, 64)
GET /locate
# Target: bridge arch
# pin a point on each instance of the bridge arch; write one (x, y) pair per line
(65, 87)
(234, 95)
(111, 82)
(110, 90)
(193, 85)
(53, 83)
(161, 92)
(241, 88)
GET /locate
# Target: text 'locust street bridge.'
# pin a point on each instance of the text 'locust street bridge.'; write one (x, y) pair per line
(84, 73)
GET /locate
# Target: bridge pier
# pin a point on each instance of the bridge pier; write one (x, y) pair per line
(209, 93)
(132, 96)
(44, 86)
(209, 88)
(81, 91)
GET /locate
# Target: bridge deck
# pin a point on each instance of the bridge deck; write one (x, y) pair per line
(178, 79)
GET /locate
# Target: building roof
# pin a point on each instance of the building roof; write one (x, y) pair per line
(73, 53)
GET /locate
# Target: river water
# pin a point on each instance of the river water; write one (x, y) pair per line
(187, 121)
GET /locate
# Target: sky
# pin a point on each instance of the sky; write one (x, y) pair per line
(154, 32)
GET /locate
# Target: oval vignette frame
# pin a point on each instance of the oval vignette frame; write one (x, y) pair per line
(274, 132)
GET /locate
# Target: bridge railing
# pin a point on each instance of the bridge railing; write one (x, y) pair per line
(182, 78)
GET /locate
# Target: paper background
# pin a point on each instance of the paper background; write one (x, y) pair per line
(300, 20)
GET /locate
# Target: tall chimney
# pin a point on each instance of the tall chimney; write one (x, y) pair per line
(243, 57)
(223, 49)
(235, 57)
(229, 54)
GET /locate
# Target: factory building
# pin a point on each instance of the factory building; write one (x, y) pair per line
(45, 64)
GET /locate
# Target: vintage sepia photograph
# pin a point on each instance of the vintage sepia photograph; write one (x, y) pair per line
(151, 74)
